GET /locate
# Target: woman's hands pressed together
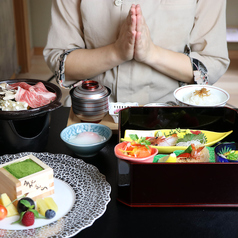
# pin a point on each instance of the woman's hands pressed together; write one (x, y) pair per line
(133, 42)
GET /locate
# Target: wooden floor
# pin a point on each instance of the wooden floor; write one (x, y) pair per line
(228, 82)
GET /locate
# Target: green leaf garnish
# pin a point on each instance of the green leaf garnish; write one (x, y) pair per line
(36, 213)
(188, 150)
(190, 137)
(26, 203)
(19, 220)
(141, 140)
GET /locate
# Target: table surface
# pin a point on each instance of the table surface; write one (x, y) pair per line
(120, 220)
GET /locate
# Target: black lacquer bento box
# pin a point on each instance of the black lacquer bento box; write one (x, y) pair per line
(178, 184)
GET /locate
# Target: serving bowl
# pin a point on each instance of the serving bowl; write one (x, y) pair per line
(119, 154)
(85, 150)
(182, 95)
(223, 147)
(90, 101)
(26, 114)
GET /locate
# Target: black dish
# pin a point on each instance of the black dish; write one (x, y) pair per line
(25, 114)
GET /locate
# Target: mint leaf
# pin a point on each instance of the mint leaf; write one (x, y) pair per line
(26, 203)
(36, 213)
(19, 220)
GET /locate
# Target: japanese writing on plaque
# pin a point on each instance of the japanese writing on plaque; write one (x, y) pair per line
(33, 184)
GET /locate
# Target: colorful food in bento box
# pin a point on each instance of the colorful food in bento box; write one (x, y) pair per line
(227, 152)
(21, 96)
(178, 137)
(193, 154)
(136, 150)
(185, 137)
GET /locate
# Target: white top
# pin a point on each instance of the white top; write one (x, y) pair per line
(173, 24)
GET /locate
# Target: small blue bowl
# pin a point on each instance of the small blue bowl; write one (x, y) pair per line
(86, 150)
(222, 147)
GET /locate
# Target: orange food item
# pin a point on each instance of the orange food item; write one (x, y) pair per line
(136, 150)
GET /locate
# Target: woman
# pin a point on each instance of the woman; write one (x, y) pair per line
(141, 51)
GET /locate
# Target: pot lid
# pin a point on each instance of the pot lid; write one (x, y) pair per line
(90, 89)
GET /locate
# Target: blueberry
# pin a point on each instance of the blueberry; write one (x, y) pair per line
(50, 213)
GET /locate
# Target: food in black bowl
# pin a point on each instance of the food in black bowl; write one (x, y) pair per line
(24, 123)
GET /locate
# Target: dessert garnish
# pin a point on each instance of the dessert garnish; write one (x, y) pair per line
(7, 209)
(27, 212)
(47, 207)
(3, 212)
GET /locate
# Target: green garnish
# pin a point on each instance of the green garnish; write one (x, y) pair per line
(191, 137)
(141, 140)
(188, 150)
(175, 131)
(228, 153)
(30, 208)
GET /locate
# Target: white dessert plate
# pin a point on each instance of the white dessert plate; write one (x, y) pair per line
(79, 189)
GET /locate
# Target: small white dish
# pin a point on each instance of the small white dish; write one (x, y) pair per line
(115, 107)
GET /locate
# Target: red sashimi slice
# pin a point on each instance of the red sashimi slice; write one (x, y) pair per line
(35, 96)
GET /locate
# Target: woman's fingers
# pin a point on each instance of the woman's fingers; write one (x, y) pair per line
(143, 40)
(126, 39)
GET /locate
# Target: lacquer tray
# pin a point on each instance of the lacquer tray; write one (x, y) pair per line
(178, 184)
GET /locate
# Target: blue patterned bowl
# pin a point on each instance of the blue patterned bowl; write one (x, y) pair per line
(86, 150)
(219, 149)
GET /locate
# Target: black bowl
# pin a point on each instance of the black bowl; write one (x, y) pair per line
(25, 114)
(27, 130)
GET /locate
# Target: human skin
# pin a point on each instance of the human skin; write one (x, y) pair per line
(133, 42)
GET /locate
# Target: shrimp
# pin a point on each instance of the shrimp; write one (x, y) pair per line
(198, 154)
(163, 141)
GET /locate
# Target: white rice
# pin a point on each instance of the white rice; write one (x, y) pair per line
(205, 100)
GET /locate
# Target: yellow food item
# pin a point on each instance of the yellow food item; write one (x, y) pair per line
(6, 202)
(51, 203)
(41, 206)
(172, 158)
(45, 204)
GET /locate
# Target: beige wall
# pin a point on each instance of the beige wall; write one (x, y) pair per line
(232, 13)
(39, 13)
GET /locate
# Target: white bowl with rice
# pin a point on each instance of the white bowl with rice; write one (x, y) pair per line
(201, 96)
